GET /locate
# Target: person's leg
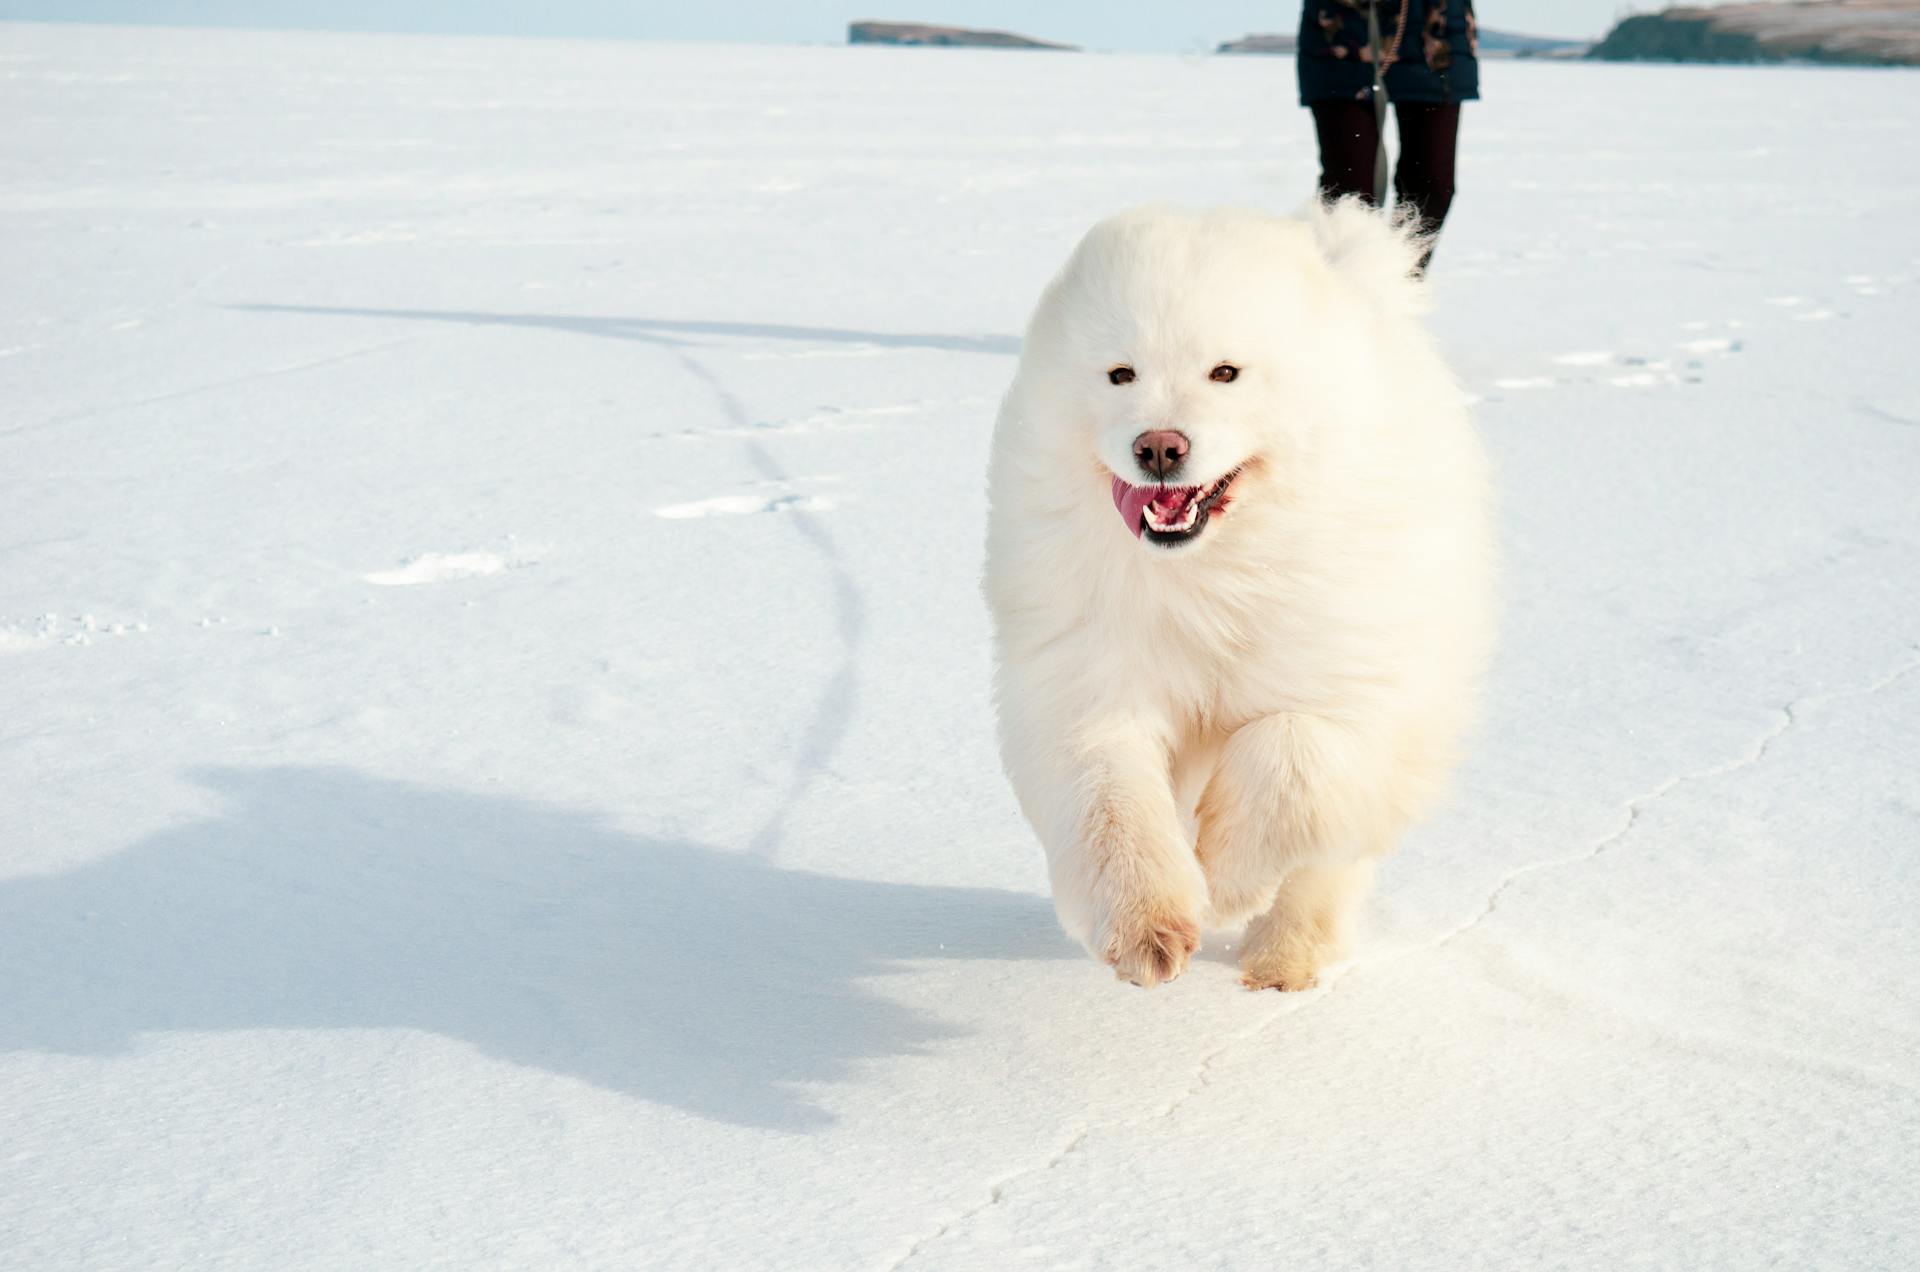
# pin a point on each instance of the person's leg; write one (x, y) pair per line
(1424, 175)
(1348, 139)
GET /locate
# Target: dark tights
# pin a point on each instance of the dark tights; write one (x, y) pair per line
(1424, 175)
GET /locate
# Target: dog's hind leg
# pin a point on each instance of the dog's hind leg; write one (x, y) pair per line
(1295, 797)
(1289, 790)
(1308, 927)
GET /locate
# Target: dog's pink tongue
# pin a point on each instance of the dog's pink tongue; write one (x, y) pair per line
(1132, 502)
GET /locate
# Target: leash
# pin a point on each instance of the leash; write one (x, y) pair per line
(1379, 101)
(1379, 50)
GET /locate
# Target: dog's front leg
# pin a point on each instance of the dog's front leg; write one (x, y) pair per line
(1125, 882)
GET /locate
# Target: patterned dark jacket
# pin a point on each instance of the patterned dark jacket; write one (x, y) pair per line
(1431, 51)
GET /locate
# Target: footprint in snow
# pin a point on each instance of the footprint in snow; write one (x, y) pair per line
(1630, 371)
(826, 419)
(1819, 313)
(1634, 372)
(1876, 284)
(54, 629)
(441, 567)
(740, 505)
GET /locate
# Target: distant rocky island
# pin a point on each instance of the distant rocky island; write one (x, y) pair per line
(941, 36)
(1854, 32)
(1513, 44)
(1261, 44)
(1492, 44)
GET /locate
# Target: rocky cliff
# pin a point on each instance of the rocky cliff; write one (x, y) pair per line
(1863, 32)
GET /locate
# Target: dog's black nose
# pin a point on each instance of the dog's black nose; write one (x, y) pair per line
(1160, 452)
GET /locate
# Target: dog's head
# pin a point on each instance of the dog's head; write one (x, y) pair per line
(1193, 356)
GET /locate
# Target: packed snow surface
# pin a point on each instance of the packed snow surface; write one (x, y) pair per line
(495, 760)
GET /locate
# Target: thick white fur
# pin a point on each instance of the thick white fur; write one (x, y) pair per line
(1240, 726)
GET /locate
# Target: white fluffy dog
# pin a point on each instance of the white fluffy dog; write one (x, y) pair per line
(1228, 701)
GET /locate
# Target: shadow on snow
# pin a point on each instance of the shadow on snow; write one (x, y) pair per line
(327, 899)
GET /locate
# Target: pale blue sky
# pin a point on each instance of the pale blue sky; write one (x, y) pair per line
(1160, 25)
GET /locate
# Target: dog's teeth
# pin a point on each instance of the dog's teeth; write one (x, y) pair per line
(1189, 515)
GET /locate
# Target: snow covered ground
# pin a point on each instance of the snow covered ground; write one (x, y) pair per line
(495, 762)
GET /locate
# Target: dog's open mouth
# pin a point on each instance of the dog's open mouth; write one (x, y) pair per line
(1170, 514)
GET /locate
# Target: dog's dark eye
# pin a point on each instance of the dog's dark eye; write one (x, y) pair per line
(1225, 373)
(1120, 375)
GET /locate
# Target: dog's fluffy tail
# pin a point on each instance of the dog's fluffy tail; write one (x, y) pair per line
(1379, 254)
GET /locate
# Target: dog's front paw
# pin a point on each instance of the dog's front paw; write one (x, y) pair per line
(1151, 946)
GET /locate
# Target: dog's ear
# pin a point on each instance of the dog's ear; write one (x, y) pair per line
(1377, 254)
